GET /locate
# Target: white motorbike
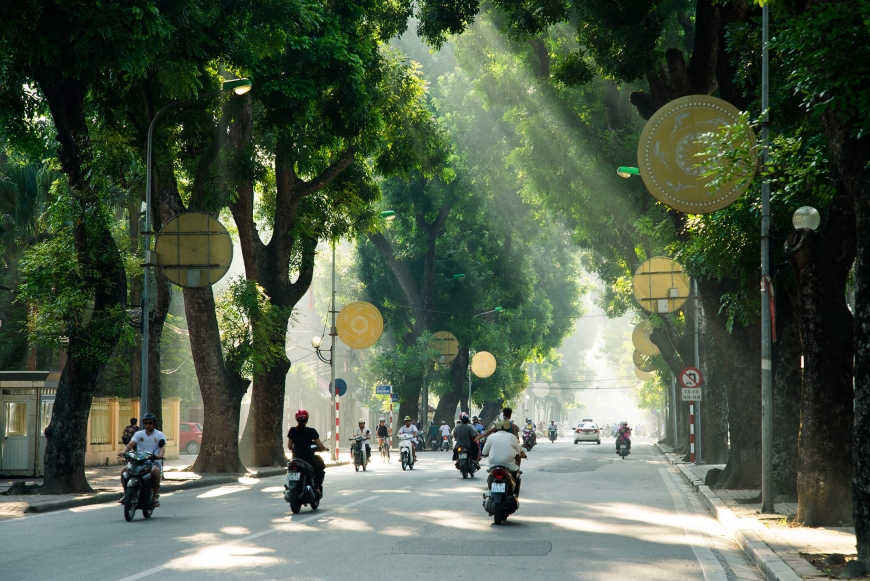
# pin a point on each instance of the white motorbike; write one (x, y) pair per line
(360, 458)
(406, 450)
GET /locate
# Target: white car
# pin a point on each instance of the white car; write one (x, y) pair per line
(587, 432)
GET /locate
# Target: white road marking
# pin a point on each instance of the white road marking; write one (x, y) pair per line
(175, 562)
(710, 566)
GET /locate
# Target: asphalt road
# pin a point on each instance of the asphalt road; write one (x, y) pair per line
(584, 514)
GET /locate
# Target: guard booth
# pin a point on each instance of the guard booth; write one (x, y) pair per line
(26, 398)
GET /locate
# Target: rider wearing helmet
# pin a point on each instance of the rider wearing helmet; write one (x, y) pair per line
(464, 435)
(147, 440)
(477, 425)
(366, 434)
(625, 433)
(411, 429)
(300, 439)
(530, 428)
(383, 432)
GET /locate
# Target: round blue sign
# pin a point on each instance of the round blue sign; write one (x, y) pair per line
(342, 387)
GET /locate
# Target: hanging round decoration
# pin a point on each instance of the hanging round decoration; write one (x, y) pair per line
(541, 389)
(483, 364)
(642, 362)
(641, 341)
(668, 145)
(660, 285)
(447, 346)
(193, 250)
(642, 375)
(359, 325)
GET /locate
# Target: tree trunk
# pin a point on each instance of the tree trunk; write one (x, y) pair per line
(266, 418)
(156, 318)
(714, 407)
(134, 284)
(490, 411)
(786, 396)
(221, 394)
(446, 410)
(821, 262)
(410, 404)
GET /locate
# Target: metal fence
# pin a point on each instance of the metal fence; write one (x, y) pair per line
(101, 423)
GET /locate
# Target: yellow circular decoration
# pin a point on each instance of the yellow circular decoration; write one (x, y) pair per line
(193, 250)
(643, 375)
(642, 362)
(541, 389)
(668, 144)
(641, 341)
(447, 346)
(359, 325)
(660, 285)
(483, 364)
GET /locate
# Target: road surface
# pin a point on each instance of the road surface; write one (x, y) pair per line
(584, 514)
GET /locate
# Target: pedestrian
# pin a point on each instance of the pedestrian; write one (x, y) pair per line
(129, 431)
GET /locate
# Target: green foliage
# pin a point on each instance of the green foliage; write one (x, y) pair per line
(406, 367)
(252, 328)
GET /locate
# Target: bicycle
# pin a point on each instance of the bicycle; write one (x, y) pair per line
(384, 447)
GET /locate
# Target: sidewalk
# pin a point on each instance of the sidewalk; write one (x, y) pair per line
(781, 551)
(105, 480)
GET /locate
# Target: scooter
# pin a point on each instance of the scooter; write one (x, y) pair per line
(500, 499)
(358, 448)
(622, 447)
(465, 463)
(138, 495)
(406, 451)
(299, 489)
(528, 440)
(434, 444)
(446, 444)
(552, 432)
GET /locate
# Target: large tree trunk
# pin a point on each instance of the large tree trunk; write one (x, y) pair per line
(134, 284)
(221, 394)
(714, 407)
(266, 417)
(786, 396)
(410, 404)
(156, 318)
(490, 411)
(821, 262)
(446, 409)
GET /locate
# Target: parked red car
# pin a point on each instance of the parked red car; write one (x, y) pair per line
(189, 437)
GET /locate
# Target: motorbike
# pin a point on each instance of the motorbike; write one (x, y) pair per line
(465, 463)
(499, 500)
(552, 432)
(358, 449)
(435, 443)
(622, 447)
(446, 444)
(528, 440)
(299, 489)
(138, 495)
(405, 451)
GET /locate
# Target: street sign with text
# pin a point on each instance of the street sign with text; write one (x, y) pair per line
(691, 393)
(394, 397)
(383, 390)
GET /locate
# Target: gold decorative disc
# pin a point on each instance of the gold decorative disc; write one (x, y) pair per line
(641, 341)
(359, 325)
(660, 285)
(483, 364)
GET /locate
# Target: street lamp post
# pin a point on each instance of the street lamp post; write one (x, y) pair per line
(239, 87)
(495, 310)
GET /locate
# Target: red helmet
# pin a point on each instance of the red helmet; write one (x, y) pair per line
(301, 415)
(463, 415)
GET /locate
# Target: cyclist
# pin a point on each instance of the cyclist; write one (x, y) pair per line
(383, 432)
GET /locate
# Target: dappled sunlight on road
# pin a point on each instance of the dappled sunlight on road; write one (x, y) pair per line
(200, 538)
(272, 489)
(223, 490)
(235, 531)
(346, 524)
(226, 557)
(398, 531)
(445, 518)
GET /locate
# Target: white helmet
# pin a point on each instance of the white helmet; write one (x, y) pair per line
(625, 423)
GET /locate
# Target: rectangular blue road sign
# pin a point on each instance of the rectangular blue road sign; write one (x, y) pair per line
(383, 390)
(394, 397)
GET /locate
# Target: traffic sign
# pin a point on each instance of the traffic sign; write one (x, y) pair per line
(342, 387)
(691, 377)
(691, 393)
(394, 397)
(383, 390)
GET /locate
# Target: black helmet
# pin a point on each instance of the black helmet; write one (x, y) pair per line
(149, 416)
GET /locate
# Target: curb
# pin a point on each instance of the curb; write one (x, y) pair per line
(773, 567)
(104, 497)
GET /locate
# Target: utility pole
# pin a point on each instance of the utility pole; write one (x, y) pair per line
(674, 410)
(700, 456)
(332, 333)
(766, 362)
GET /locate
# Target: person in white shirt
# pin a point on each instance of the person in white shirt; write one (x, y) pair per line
(445, 429)
(503, 449)
(411, 429)
(147, 440)
(363, 432)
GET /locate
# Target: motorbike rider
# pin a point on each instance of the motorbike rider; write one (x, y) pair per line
(432, 435)
(445, 429)
(410, 428)
(530, 427)
(624, 433)
(383, 432)
(506, 415)
(477, 425)
(503, 449)
(147, 440)
(464, 435)
(299, 441)
(366, 434)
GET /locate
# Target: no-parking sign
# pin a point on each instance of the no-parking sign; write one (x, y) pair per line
(691, 379)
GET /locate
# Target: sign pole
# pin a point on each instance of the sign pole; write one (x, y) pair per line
(692, 430)
(674, 410)
(698, 365)
(332, 360)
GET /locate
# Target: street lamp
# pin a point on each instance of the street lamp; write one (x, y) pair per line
(239, 87)
(388, 215)
(627, 172)
(806, 217)
(495, 310)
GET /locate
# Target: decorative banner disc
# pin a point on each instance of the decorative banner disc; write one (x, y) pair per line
(541, 389)
(446, 344)
(642, 362)
(660, 285)
(483, 364)
(667, 148)
(640, 339)
(642, 375)
(193, 250)
(359, 325)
